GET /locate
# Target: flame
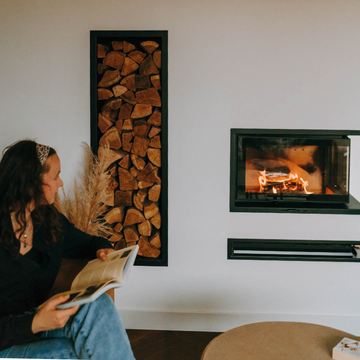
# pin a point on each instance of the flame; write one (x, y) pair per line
(278, 183)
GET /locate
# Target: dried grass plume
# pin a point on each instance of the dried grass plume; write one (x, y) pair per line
(86, 208)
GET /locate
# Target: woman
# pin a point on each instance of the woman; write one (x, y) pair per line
(34, 238)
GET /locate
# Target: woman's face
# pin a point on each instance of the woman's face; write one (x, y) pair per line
(51, 180)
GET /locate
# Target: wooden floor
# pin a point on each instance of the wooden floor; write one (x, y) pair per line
(169, 345)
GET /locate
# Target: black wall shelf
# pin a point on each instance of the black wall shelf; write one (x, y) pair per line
(351, 208)
(292, 250)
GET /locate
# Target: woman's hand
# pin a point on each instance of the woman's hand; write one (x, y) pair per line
(102, 253)
(48, 318)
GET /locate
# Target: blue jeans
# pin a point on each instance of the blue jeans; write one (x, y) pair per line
(96, 332)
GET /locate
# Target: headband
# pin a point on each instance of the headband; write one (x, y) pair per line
(42, 152)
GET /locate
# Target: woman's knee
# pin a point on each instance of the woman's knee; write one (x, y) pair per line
(103, 304)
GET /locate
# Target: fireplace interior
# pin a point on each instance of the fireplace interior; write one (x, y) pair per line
(291, 170)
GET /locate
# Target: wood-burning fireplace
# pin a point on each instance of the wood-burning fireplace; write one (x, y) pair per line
(276, 170)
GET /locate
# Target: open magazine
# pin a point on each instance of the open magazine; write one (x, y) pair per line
(99, 276)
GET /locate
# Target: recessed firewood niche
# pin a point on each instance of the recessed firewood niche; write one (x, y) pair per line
(129, 112)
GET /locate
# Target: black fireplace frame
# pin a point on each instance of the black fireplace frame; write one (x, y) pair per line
(277, 205)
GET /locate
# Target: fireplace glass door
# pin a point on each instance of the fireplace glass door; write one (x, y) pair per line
(292, 167)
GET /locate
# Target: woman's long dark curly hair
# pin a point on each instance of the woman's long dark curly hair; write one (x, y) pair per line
(20, 183)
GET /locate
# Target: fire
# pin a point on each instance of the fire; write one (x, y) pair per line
(279, 182)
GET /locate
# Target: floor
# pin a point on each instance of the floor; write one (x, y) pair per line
(169, 345)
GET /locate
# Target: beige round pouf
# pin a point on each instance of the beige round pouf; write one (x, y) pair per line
(276, 341)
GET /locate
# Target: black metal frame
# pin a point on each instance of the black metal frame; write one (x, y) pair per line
(309, 246)
(137, 36)
(278, 205)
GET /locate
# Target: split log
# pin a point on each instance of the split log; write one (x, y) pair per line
(125, 162)
(104, 123)
(111, 137)
(155, 240)
(129, 97)
(148, 97)
(155, 118)
(155, 80)
(134, 171)
(137, 56)
(150, 209)
(120, 245)
(154, 156)
(127, 47)
(112, 156)
(110, 199)
(142, 193)
(127, 147)
(112, 184)
(140, 146)
(117, 45)
(157, 58)
(109, 78)
(129, 82)
(141, 128)
(104, 94)
(145, 172)
(119, 124)
(125, 111)
(145, 228)
(154, 177)
(156, 220)
(118, 90)
(133, 216)
(154, 193)
(142, 82)
(115, 238)
(101, 68)
(123, 198)
(141, 111)
(127, 125)
(129, 67)
(131, 234)
(114, 59)
(149, 46)
(111, 108)
(137, 203)
(147, 67)
(118, 227)
(126, 137)
(149, 173)
(138, 162)
(147, 250)
(115, 215)
(154, 131)
(155, 142)
(102, 51)
(113, 171)
(144, 184)
(126, 180)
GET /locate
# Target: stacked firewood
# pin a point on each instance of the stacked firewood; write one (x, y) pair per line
(129, 121)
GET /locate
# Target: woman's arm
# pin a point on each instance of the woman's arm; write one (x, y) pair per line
(16, 330)
(49, 318)
(78, 244)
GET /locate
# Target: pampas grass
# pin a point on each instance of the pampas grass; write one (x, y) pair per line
(86, 208)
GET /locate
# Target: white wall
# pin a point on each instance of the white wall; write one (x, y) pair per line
(243, 63)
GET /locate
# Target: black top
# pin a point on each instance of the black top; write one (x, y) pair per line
(26, 281)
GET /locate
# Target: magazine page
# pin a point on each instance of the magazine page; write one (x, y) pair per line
(99, 272)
